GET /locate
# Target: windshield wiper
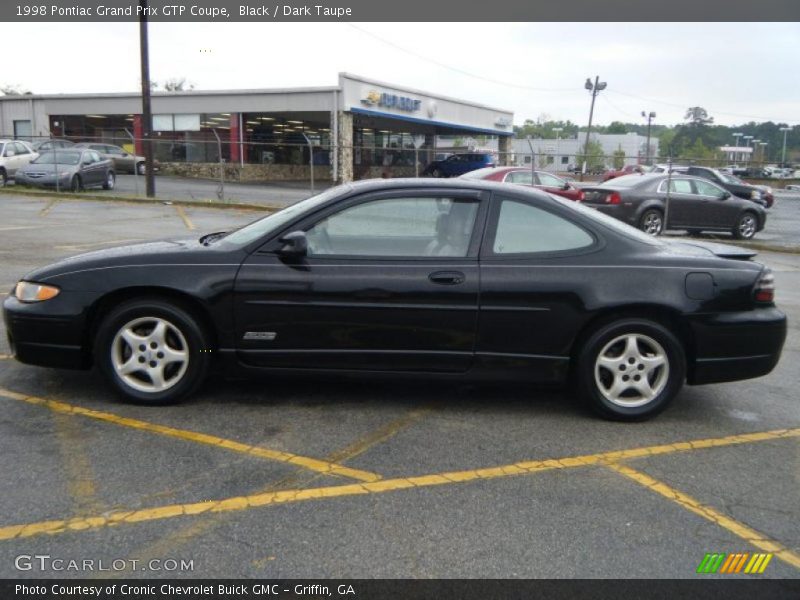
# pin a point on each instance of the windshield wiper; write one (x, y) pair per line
(210, 237)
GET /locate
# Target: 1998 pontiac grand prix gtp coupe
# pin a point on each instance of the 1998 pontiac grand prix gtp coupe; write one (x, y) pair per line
(442, 278)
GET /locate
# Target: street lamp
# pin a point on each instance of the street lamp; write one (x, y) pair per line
(747, 139)
(557, 131)
(736, 137)
(595, 89)
(649, 116)
(763, 151)
(783, 153)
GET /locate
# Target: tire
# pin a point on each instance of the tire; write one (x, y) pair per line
(75, 184)
(111, 179)
(652, 222)
(604, 363)
(152, 351)
(3, 178)
(437, 173)
(141, 168)
(746, 226)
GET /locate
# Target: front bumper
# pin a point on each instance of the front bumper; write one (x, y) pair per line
(735, 346)
(47, 334)
(62, 181)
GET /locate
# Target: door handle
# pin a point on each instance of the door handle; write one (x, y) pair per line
(447, 277)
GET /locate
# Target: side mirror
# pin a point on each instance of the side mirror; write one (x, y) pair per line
(295, 244)
(566, 186)
(726, 194)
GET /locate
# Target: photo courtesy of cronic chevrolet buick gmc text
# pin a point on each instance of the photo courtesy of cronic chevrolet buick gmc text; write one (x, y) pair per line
(441, 278)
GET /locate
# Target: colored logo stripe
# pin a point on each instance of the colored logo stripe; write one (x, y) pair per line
(734, 563)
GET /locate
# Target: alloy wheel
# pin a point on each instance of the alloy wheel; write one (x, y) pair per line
(631, 370)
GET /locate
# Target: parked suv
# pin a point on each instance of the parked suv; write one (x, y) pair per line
(734, 185)
(458, 164)
(14, 155)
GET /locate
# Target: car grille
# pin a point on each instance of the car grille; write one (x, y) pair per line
(35, 174)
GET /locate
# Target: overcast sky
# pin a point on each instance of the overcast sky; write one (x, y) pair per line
(738, 71)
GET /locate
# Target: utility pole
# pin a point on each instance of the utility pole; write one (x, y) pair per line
(783, 153)
(147, 113)
(594, 89)
(649, 116)
(557, 160)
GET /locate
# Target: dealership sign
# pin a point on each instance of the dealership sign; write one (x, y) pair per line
(382, 99)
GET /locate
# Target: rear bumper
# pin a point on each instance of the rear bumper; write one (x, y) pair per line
(52, 340)
(735, 346)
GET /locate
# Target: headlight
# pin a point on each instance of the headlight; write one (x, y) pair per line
(34, 292)
(755, 195)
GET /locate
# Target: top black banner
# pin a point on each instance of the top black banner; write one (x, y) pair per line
(400, 10)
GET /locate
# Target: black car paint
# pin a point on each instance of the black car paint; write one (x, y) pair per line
(685, 211)
(743, 190)
(519, 317)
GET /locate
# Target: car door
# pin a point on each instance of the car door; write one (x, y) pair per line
(714, 209)
(680, 203)
(24, 155)
(390, 283)
(123, 162)
(529, 291)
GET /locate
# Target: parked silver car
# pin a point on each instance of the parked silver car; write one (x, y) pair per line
(124, 161)
(14, 154)
(71, 169)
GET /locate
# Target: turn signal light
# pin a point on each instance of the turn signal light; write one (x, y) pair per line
(765, 287)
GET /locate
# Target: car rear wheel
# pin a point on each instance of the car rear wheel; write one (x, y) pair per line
(3, 177)
(746, 226)
(110, 181)
(437, 173)
(630, 369)
(152, 351)
(652, 222)
(75, 184)
(141, 168)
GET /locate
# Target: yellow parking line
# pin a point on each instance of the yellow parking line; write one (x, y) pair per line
(374, 487)
(182, 214)
(756, 538)
(312, 464)
(78, 467)
(5, 356)
(46, 210)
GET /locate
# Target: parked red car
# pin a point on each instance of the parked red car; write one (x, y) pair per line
(626, 170)
(546, 182)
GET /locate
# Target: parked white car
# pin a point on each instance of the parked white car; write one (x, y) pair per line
(14, 154)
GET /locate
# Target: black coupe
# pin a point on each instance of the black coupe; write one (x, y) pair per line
(691, 203)
(456, 278)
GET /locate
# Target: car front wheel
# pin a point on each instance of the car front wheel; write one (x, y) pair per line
(630, 369)
(152, 351)
(75, 184)
(110, 181)
(141, 168)
(746, 226)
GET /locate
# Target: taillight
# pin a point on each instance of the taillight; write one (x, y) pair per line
(581, 196)
(613, 198)
(764, 290)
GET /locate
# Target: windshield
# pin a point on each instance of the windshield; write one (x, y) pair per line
(610, 222)
(729, 178)
(61, 158)
(625, 181)
(276, 220)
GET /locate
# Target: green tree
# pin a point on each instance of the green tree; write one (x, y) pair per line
(594, 157)
(616, 127)
(698, 116)
(619, 158)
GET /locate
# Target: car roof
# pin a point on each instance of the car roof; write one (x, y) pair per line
(368, 185)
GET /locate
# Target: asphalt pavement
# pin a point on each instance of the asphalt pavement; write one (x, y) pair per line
(323, 478)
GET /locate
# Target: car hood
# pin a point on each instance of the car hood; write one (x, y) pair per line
(702, 248)
(46, 168)
(168, 251)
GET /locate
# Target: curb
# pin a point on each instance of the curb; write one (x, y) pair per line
(137, 200)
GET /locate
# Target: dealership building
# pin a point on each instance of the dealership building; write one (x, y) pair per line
(356, 129)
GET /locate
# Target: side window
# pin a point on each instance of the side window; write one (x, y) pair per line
(97, 147)
(521, 177)
(95, 157)
(113, 150)
(87, 158)
(21, 148)
(413, 227)
(706, 188)
(681, 186)
(550, 180)
(523, 229)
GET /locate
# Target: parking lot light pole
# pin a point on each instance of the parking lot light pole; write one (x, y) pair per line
(557, 131)
(595, 89)
(783, 152)
(649, 116)
(747, 139)
(736, 137)
(147, 115)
